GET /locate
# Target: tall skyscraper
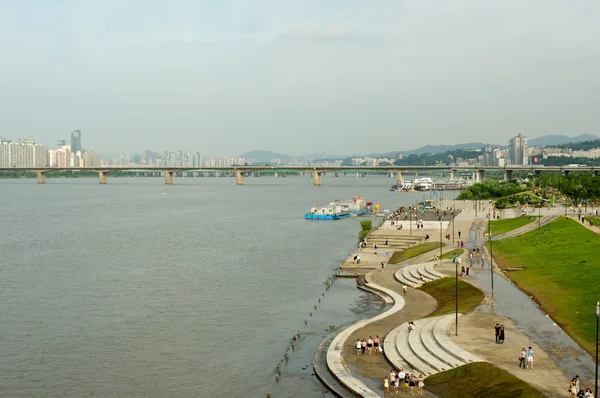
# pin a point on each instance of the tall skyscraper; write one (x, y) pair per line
(519, 151)
(75, 141)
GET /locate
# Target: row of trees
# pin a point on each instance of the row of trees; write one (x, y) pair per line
(492, 189)
(576, 186)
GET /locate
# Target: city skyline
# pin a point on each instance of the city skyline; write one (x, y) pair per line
(227, 77)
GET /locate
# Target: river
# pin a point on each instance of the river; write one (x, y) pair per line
(136, 288)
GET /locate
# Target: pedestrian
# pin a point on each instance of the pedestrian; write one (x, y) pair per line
(530, 357)
(497, 332)
(382, 266)
(387, 241)
(364, 346)
(459, 233)
(522, 363)
(404, 289)
(386, 386)
(453, 258)
(376, 345)
(462, 244)
(501, 337)
(588, 391)
(421, 385)
(468, 268)
(358, 346)
(573, 388)
(357, 259)
(370, 346)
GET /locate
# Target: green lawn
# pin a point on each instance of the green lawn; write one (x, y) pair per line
(414, 251)
(561, 273)
(480, 379)
(595, 220)
(447, 256)
(500, 227)
(444, 292)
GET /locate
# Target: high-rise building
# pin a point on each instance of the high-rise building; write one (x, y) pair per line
(75, 141)
(519, 151)
(25, 153)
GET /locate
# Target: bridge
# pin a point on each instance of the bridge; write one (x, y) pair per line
(316, 171)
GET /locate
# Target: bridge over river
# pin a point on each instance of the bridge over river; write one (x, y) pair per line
(316, 171)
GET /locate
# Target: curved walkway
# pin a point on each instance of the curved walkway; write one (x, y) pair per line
(334, 353)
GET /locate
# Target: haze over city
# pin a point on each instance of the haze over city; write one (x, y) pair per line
(226, 77)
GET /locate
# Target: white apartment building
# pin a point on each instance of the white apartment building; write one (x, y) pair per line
(25, 153)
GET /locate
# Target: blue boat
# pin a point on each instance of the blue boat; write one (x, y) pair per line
(339, 216)
(334, 211)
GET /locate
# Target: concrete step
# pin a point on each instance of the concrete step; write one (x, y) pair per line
(432, 345)
(390, 350)
(406, 274)
(399, 276)
(430, 268)
(426, 275)
(416, 344)
(440, 336)
(408, 354)
(414, 272)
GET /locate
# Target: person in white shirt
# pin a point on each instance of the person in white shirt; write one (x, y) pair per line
(530, 357)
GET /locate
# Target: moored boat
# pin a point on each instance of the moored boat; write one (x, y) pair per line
(330, 212)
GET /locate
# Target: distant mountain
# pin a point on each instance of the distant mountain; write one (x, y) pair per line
(551, 140)
(443, 148)
(265, 156)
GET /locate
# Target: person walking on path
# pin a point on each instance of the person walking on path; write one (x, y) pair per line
(497, 332)
(404, 289)
(530, 357)
(382, 266)
(386, 386)
(501, 336)
(459, 233)
(358, 346)
(522, 363)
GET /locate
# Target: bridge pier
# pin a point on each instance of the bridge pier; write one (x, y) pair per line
(596, 172)
(103, 177)
(480, 175)
(566, 173)
(452, 175)
(169, 177)
(41, 177)
(239, 177)
(316, 178)
(508, 175)
(399, 178)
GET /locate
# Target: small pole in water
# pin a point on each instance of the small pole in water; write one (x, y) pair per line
(323, 294)
(311, 314)
(298, 333)
(319, 300)
(315, 307)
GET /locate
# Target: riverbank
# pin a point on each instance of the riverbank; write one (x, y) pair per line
(550, 376)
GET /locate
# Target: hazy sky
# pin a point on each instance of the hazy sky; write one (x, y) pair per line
(339, 76)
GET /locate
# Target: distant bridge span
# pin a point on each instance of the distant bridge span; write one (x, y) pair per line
(316, 171)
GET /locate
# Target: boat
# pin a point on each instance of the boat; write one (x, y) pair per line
(357, 205)
(406, 187)
(423, 184)
(449, 185)
(334, 211)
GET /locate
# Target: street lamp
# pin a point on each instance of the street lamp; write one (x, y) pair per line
(597, 317)
(539, 215)
(441, 241)
(456, 296)
(491, 256)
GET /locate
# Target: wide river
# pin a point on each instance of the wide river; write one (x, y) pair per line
(136, 288)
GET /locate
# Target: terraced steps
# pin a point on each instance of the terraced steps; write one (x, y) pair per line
(427, 349)
(417, 274)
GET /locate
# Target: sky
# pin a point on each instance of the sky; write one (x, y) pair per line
(296, 77)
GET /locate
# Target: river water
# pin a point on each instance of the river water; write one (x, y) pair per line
(136, 288)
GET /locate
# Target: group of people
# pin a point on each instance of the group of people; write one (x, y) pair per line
(408, 381)
(369, 346)
(526, 358)
(576, 392)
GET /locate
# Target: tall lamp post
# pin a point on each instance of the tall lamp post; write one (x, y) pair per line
(491, 255)
(456, 296)
(441, 241)
(410, 220)
(597, 318)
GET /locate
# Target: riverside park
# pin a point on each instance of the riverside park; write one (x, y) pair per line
(520, 257)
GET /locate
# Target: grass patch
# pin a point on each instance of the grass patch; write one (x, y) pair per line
(595, 220)
(499, 227)
(444, 292)
(414, 251)
(448, 255)
(479, 379)
(561, 273)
